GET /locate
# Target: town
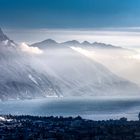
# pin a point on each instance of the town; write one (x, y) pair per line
(59, 128)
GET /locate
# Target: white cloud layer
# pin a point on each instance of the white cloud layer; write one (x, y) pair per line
(33, 50)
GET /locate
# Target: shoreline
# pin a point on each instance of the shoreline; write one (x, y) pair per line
(94, 109)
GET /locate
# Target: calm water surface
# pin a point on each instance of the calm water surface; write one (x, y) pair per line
(89, 108)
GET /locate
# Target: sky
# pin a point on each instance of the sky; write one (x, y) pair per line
(69, 13)
(114, 22)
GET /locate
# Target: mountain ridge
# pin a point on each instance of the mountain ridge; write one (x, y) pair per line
(57, 72)
(49, 42)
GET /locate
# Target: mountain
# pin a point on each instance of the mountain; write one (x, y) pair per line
(19, 81)
(48, 43)
(58, 71)
(71, 43)
(5, 41)
(77, 75)
(86, 43)
(103, 45)
(20, 76)
(3, 37)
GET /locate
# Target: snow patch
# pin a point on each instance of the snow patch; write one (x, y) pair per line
(5, 42)
(13, 44)
(4, 119)
(32, 79)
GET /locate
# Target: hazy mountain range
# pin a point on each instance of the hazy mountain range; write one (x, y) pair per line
(49, 68)
(52, 43)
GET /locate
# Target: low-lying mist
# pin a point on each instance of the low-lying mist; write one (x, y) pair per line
(123, 62)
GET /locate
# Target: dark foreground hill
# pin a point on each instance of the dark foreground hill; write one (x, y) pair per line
(59, 128)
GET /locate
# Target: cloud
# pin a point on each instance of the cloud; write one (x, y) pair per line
(137, 56)
(33, 50)
(84, 52)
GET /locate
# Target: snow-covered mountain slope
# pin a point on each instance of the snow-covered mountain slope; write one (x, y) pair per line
(79, 75)
(121, 61)
(56, 71)
(20, 77)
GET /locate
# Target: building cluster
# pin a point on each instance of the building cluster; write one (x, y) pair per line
(59, 128)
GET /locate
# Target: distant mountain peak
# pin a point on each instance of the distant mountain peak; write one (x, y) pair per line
(45, 43)
(52, 43)
(103, 45)
(49, 41)
(86, 43)
(3, 37)
(5, 41)
(98, 43)
(0, 30)
(72, 42)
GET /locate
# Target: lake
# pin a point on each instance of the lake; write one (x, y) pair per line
(95, 108)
